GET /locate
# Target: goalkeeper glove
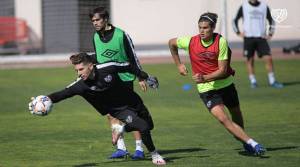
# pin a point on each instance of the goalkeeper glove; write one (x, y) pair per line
(152, 82)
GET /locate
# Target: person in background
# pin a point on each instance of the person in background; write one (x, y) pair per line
(255, 14)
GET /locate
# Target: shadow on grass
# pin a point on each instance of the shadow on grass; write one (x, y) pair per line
(281, 148)
(291, 83)
(181, 150)
(169, 159)
(269, 149)
(244, 153)
(87, 165)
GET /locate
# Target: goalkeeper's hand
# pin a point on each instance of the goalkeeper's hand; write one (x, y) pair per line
(152, 82)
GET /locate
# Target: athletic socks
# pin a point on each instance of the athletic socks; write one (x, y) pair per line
(121, 143)
(271, 77)
(252, 142)
(138, 145)
(252, 78)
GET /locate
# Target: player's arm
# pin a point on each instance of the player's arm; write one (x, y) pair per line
(173, 46)
(116, 67)
(70, 91)
(130, 52)
(235, 22)
(271, 22)
(94, 55)
(136, 66)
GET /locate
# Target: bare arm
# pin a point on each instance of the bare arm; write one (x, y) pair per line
(235, 22)
(174, 52)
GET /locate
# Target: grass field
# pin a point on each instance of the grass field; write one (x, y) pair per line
(185, 133)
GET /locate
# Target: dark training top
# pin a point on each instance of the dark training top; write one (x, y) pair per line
(105, 92)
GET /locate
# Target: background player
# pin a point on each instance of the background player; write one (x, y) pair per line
(254, 14)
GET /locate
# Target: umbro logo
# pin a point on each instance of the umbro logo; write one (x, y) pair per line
(109, 53)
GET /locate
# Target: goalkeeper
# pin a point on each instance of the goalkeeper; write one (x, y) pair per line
(101, 86)
(113, 44)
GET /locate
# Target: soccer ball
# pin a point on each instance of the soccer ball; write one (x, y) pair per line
(40, 105)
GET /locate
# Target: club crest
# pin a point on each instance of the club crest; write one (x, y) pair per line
(108, 78)
(279, 15)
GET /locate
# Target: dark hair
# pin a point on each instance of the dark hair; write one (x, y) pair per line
(101, 11)
(212, 18)
(81, 58)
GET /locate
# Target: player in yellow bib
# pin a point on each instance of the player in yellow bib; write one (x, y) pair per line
(210, 59)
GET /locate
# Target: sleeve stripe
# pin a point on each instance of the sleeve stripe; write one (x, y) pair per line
(132, 49)
(77, 80)
(99, 66)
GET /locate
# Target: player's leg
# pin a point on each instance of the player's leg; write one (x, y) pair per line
(134, 122)
(237, 131)
(117, 139)
(139, 151)
(144, 114)
(265, 52)
(219, 113)
(231, 101)
(249, 51)
(215, 101)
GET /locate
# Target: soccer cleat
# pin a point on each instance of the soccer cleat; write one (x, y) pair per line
(138, 155)
(119, 154)
(248, 148)
(254, 85)
(158, 159)
(259, 150)
(277, 85)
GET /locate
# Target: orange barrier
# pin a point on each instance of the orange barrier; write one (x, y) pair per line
(12, 30)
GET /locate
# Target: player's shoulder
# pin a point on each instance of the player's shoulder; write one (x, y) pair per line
(184, 41)
(223, 41)
(74, 83)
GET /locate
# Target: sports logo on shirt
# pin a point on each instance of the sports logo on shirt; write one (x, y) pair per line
(109, 53)
(108, 78)
(208, 55)
(129, 119)
(208, 104)
(93, 87)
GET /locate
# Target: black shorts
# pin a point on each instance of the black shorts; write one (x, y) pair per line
(256, 44)
(227, 96)
(135, 119)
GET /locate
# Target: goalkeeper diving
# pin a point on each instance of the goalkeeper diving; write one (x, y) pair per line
(101, 86)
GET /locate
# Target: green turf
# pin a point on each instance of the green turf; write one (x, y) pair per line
(187, 135)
